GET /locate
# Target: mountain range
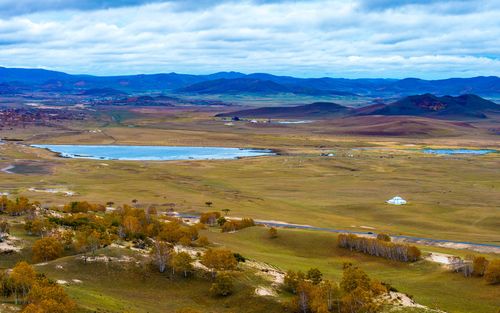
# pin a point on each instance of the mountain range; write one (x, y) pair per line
(426, 105)
(18, 80)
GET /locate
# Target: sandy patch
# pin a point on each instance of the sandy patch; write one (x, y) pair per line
(273, 274)
(106, 259)
(68, 193)
(10, 244)
(441, 258)
(399, 299)
(264, 291)
(61, 282)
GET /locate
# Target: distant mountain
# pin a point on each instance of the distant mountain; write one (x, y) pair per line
(428, 105)
(234, 82)
(255, 85)
(313, 110)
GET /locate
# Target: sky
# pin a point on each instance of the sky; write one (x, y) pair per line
(429, 39)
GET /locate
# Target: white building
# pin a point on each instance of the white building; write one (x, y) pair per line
(397, 200)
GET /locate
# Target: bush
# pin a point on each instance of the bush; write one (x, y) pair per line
(492, 273)
(46, 249)
(234, 225)
(223, 285)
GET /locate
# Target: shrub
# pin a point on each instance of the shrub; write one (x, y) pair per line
(492, 273)
(46, 249)
(223, 285)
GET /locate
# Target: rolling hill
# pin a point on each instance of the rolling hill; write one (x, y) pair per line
(313, 110)
(429, 105)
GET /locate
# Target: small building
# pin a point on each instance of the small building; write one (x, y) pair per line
(397, 200)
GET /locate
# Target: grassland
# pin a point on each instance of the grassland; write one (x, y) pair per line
(429, 283)
(453, 198)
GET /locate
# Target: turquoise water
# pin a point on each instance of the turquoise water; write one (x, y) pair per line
(458, 151)
(151, 153)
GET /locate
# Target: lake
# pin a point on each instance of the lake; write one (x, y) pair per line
(151, 153)
(459, 151)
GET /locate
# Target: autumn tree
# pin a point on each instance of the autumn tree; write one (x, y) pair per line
(479, 265)
(380, 248)
(181, 262)
(219, 260)
(45, 297)
(222, 286)
(22, 276)
(360, 292)
(383, 237)
(209, 218)
(89, 240)
(292, 280)
(46, 249)
(492, 273)
(38, 226)
(272, 232)
(161, 254)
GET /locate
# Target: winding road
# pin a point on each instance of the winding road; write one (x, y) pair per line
(479, 247)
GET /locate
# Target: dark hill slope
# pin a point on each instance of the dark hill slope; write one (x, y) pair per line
(313, 110)
(428, 105)
(236, 85)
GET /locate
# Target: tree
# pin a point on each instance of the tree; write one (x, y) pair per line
(479, 265)
(222, 286)
(221, 221)
(208, 203)
(88, 240)
(384, 237)
(23, 276)
(45, 297)
(219, 260)
(209, 218)
(132, 225)
(4, 227)
(314, 275)
(38, 226)
(292, 280)
(273, 233)
(361, 295)
(325, 297)
(226, 211)
(161, 254)
(492, 273)
(46, 249)
(182, 262)
(202, 241)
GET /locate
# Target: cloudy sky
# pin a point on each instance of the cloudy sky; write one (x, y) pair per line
(313, 38)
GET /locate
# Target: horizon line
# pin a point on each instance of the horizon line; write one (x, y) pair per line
(238, 72)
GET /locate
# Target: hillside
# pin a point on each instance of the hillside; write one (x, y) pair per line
(254, 85)
(313, 110)
(428, 105)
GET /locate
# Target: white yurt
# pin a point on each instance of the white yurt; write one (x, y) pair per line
(397, 200)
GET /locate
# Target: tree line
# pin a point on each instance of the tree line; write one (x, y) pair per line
(380, 247)
(478, 266)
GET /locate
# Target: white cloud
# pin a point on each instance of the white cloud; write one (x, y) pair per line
(305, 38)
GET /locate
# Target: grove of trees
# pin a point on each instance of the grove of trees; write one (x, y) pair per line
(379, 247)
